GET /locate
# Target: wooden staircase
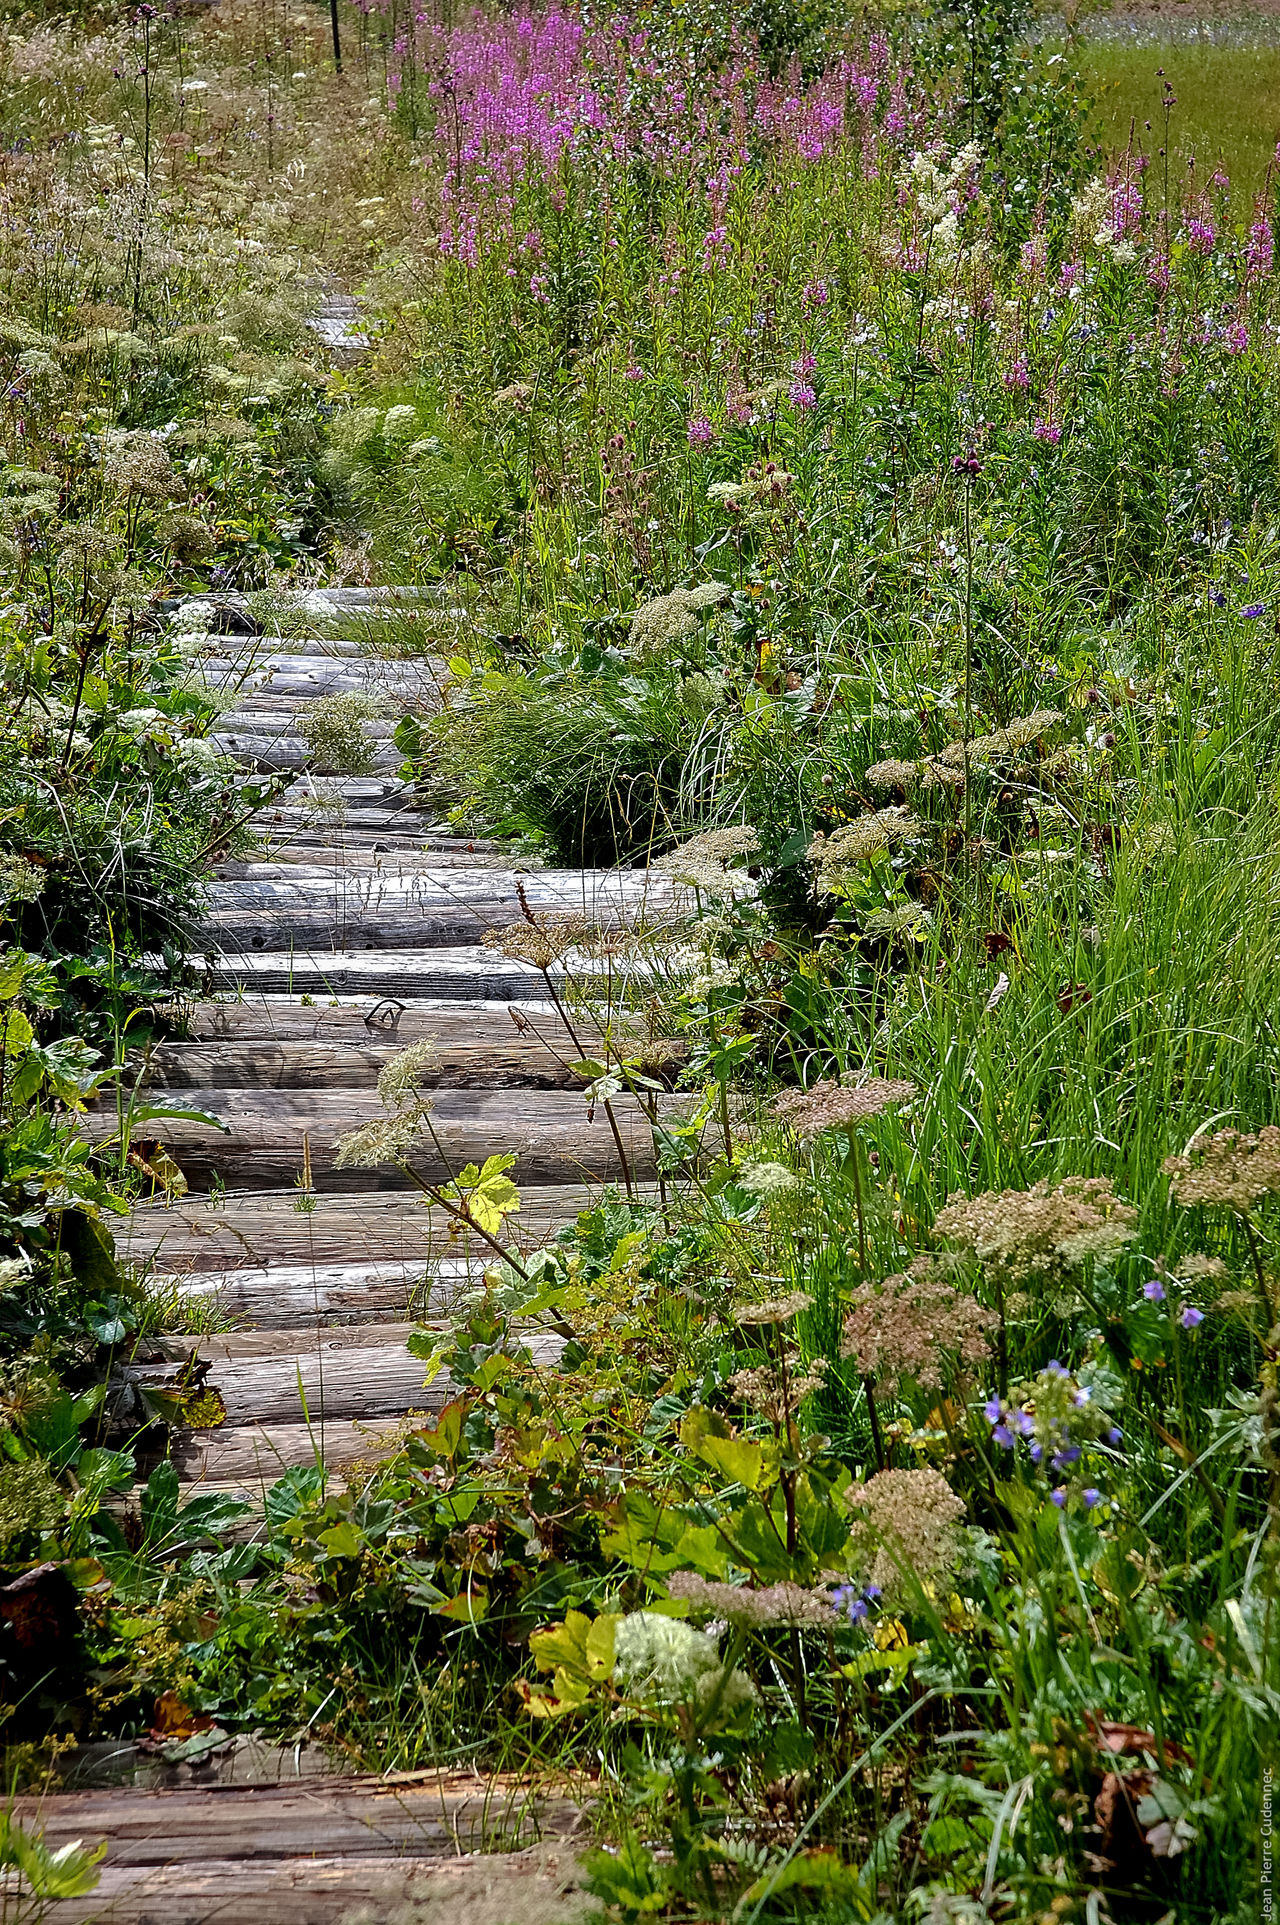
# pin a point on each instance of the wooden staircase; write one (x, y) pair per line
(355, 928)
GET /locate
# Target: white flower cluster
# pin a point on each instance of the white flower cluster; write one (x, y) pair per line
(656, 625)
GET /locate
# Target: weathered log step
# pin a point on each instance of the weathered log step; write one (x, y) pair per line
(280, 753)
(272, 1134)
(430, 910)
(281, 723)
(420, 1814)
(418, 679)
(468, 972)
(469, 1061)
(356, 790)
(296, 1376)
(326, 1383)
(389, 1021)
(290, 1298)
(536, 1887)
(249, 1458)
(202, 1235)
(289, 864)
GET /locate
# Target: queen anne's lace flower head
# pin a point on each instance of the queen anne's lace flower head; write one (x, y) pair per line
(1042, 1232)
(829, 1105)
(1228, 1170)
(914, 1327)
(906, 1525)
(657, 625)
(748, 1604)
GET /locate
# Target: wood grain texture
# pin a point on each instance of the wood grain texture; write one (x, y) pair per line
(202, 1235)
(270, 1132)
(456, 972)
(532, 1888)
(428, 1814)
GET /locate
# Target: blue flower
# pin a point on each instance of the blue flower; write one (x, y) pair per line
(1115, 1434)
(1191, 1317)
(1252, 612)
(993, 1410)
(1059, 1498)
(1004, 1436)
(1091, 1497)
(1153, 1291)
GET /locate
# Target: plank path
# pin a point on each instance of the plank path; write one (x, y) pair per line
(354, 928)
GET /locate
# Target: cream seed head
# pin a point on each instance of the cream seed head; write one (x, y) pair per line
(1045, 1231)
(907, 1524)
(829, 1105)
(1228, 1171)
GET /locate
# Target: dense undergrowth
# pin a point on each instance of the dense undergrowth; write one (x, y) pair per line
(859, 495)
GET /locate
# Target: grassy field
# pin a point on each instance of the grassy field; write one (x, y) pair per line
(1227, 113)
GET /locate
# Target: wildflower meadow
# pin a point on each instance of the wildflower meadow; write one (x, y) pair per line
(829, 459)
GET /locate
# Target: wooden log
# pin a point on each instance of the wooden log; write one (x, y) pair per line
(297, 1396)
(201, 1234)
(252, 1457)
(244, 1760)
(375, 1021)
(536, 1888)
(287, 862)
(433, 909)
(269, 1131)
(508, 1062)
(281, 752)
(457, 973)
(423, 1813)
(265, 721)
(287, 1298)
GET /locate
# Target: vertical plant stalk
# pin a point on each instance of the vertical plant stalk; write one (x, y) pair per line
(873, 1415)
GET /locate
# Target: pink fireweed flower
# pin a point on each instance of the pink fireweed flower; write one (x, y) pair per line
(1201, 236)
(1049, 431)
(1017, 377)
(801, 395)
(633, 373)
(1236, 338)
(1071, 274)
(1259, 255)
(814, 294)
(699, 431)
(804, 365)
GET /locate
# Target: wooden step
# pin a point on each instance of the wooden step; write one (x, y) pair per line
(290, 1297)
(372, 1021)
(201, 1235)
(313, 1852)
(282, 721)
(460, 973)
(476, 1048)
(249, 1458)
(429, 910)
(327, 1382)
(267, 1133)
(278, 753)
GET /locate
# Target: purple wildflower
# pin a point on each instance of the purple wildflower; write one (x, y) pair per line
(801, 395)
(1236, 338)
(699, 431)
(1091, 1497)
(1191, 1317)
(1058, 1497)
(1153, 1291)
(1252, 612)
